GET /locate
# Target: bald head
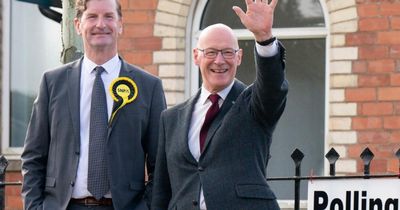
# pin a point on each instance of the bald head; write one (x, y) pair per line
(217, 34)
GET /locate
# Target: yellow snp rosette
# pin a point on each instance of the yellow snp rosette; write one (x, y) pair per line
(123, 90)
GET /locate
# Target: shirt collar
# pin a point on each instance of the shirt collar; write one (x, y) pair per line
(109, 66)
(223, 93)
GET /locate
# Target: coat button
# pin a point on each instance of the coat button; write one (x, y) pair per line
(72, 183)
(195, 203)
(200, 168)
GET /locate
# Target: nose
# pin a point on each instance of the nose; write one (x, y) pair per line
(219, 58)
(100, 23)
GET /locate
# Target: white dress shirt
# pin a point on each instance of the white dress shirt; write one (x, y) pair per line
(201, 108)
(112, 69)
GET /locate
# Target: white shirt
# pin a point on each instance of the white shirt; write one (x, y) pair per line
(201, 108)
(112, 69)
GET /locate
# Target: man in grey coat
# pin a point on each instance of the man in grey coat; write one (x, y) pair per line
(62, 168)
(214, 148)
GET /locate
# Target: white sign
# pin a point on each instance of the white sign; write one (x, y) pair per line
(354, 194)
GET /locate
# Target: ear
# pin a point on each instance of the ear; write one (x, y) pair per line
(120, 26)
(196, 56)
(239, 57)
(77, 25)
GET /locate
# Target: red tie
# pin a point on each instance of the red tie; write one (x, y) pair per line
(211, 113)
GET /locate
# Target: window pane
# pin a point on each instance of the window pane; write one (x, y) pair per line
(35, 47)
(302, 124)
(289, 13)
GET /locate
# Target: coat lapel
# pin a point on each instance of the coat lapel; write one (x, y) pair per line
(73, 81)
(185, 116)
(237, 88)
(124, 72)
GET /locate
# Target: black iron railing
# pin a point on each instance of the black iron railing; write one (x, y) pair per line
(332, 156)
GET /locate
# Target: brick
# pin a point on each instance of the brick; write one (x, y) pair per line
(373, 24)
(338, 67)
(393, 165)
(174, 97)
(165, 31)
(395, 137)
(146, 43)
(343, 15)
(346, 166)
(390, 9)
(140, 58)
(395, 23)
(360, 94)
(173, 7)
(139, 16)
(338, 40)
(169, 57)
(338, 81)
(359, 66)
(389, 93)
(377, 109)
(340, 4)
(392, 122)
(366, 123)
(355, 150)
(373, 52)
(172, 71)
(343, 109)
(368, 10)
(382, 65)
(390, 37)
(361, 38)
(174, 84)
(367, 137)
(143, 5)
(343, 137)
(379, 165)
(395, 79)
(395, 51)
(173, 43)
(373, 80)
(124, 44)
(336, 95)
(345, 27)
(339, 123)
(137, 30)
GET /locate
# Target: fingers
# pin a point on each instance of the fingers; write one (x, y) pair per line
(273, 3)
(239, 12)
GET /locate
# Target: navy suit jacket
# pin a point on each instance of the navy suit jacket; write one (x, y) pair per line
(52, 144)
(232, 167)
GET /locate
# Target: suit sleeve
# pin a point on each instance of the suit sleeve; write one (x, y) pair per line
(162, 187)
(158, 104)
(35, 152)
(270, 88)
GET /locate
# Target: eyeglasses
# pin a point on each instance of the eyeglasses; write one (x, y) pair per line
(227, 53)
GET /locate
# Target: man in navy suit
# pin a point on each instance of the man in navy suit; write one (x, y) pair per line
(225, 168)
(55, 161)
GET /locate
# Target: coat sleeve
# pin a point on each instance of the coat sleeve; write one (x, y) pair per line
(268, 98)
(158, 104)
(35, 152)
(162, 187)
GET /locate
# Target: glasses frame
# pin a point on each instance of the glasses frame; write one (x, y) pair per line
(218, 51)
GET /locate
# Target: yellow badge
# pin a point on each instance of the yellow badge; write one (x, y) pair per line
(123, 90)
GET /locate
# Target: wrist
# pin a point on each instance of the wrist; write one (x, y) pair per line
(266, 42)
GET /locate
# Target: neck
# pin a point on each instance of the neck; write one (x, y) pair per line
(100, 57)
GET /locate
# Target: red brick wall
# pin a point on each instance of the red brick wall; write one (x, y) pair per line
(137, 42)
(13, 193)
(378, 93)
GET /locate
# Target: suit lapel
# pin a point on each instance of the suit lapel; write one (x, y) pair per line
(185, 116)
(237, 88)
(73, 81)
(124, 72)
